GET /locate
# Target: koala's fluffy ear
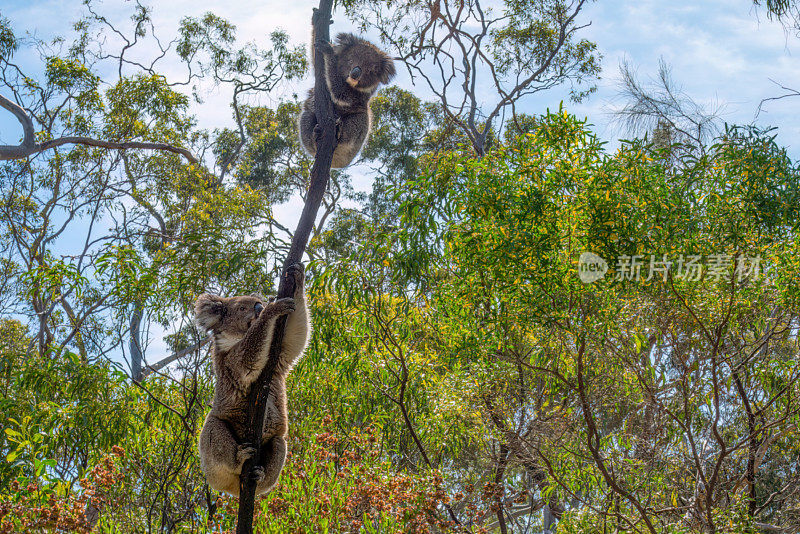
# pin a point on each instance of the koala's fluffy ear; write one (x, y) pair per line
(347, 40)
(208, 311)
(387, 69)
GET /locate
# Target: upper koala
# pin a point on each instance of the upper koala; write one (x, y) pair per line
(242, 327)
(353, 70)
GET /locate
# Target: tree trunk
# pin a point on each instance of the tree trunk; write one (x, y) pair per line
(320, 173)
(135, 343)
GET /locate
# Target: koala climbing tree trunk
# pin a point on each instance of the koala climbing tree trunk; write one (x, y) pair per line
(320, 173)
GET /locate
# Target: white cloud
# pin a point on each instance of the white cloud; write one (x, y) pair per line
(719, 52)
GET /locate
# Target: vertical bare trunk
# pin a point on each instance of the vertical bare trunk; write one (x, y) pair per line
(320, 174)
(135, 343)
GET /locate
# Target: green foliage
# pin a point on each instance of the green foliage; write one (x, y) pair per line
(272, 160)
(146, 107)
(58, 412)
(631, 368)
(8, 41)
(785, 11)
(527, 41)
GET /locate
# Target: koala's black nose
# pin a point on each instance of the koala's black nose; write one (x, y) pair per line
(258, 307)
(355, 73)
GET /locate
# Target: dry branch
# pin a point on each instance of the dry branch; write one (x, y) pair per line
(154, 368)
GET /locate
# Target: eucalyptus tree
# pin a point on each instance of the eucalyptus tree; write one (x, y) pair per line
(661, 397)
(110, 149)
(456, 49)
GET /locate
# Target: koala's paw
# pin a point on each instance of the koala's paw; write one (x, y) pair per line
(324, 46)
(257, 474)
(244, 452)
(317, 133)
(296, 271)
(284, 306)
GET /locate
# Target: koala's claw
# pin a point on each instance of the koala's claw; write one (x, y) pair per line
(317, 132)
(338, 129)
(257, 474)
(244, 452)
(284, 306)
(324, 46)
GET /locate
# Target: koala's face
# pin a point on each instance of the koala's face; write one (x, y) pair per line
(231, 316)
(364, 66)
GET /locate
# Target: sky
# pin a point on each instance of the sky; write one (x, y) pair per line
(722, 53)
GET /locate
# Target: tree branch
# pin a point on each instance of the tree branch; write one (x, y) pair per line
(593, 441)
(150, 369)
(28, 147)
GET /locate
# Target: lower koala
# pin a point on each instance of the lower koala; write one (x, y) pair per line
(242, 327)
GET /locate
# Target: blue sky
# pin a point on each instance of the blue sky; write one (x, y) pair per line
(722, 53)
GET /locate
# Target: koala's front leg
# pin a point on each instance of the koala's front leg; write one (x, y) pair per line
(295, 336)
(337, 84)
(316, 17)
(250, 356)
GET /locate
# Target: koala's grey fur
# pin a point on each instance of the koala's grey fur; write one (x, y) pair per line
(242, 328)
(353, 70)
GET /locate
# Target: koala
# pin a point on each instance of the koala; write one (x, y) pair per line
(353, 70)
(242, 327)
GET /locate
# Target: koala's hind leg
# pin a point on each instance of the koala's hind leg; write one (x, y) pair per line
(271, 460)
(352, 131)
(307, 124)
(221, 456)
